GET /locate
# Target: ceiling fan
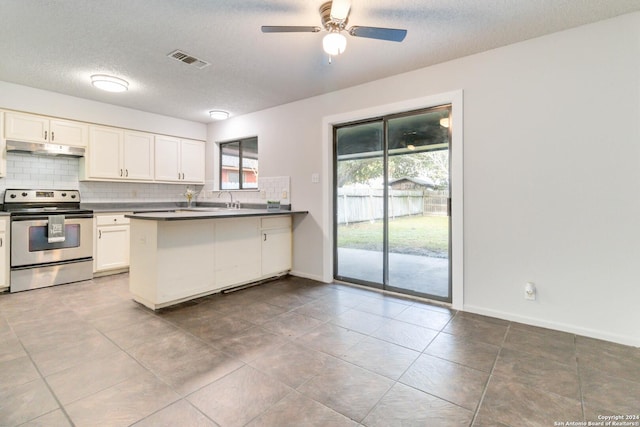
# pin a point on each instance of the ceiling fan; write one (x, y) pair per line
(334, 17)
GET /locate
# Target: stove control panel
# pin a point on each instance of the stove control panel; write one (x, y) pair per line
(41, 196)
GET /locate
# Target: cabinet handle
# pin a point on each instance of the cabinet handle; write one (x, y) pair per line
(126, 172)
(120, 172)
(99, 234)
(45, 135)
(53, 136)
(265, 236)
(1, 242)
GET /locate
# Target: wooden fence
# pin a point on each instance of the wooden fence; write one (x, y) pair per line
(365, 204)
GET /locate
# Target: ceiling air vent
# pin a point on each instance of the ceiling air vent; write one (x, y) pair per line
(181, 56)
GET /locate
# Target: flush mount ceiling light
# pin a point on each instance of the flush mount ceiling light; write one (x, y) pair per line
(219, 114)
(334, 43)
(109, 83)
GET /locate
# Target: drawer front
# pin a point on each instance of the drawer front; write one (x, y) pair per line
(3, 225)
(276, 222)
(115, 219)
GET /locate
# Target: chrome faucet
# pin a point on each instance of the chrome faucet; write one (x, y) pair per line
(230, 204)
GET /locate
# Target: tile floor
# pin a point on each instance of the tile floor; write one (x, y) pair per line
(294, 352)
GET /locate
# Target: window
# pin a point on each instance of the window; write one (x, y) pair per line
(239, 164)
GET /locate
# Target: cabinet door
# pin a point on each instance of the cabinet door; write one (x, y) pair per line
(26, 127)
(69, 133)
(4, 255)
(276, 251)
(167, 162)
(237, 255)
(138, 156)
(105, 153)
(192, 161)
(3, 146)
(112, 247)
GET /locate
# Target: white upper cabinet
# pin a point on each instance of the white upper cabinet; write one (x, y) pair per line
(137, 159)
(34, 128)
(112, 154)
(115, 154)
(179, 160)
(69, 133)
(192, 160)
(105, 153)
(167, 162)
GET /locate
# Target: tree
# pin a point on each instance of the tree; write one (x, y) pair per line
(429, 164)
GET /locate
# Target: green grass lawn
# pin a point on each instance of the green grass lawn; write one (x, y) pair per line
(417, 235)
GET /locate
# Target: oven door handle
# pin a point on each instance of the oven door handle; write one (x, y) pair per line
(46, 217)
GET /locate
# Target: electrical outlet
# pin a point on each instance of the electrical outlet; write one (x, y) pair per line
(284, 194)
(530, 291)
(263, 194)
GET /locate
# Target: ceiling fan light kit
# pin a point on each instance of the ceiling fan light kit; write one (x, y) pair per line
(334, 17)
(334, 43)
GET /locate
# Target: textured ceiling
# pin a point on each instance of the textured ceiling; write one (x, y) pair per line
(57, 45)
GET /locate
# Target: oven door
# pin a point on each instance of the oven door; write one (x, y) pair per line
(30, 244)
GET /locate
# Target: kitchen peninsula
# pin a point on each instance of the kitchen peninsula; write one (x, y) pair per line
(184, 254)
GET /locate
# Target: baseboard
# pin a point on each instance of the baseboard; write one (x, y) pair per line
(307, 276)
(564, 327)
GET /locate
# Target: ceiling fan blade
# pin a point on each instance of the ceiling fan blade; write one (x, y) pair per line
(340, 9)
(289, 29)
(390, 34)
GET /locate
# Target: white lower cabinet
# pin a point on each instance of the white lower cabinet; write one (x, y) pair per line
(111, 251)
(175, 261)
(4, 253)
(237, 257)
(171, 261)
(276, 245)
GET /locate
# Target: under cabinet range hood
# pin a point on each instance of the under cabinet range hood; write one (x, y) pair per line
(44, 149)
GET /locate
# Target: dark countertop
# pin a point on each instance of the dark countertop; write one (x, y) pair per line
(180, 214)
(137, 207)
(133, 206)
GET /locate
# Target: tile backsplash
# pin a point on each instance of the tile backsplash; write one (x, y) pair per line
(31, 171)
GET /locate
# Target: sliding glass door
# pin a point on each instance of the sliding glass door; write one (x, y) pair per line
(359, 202)
(391, 203)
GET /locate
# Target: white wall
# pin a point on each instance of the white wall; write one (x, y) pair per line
(23, 98)
(551, 173)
